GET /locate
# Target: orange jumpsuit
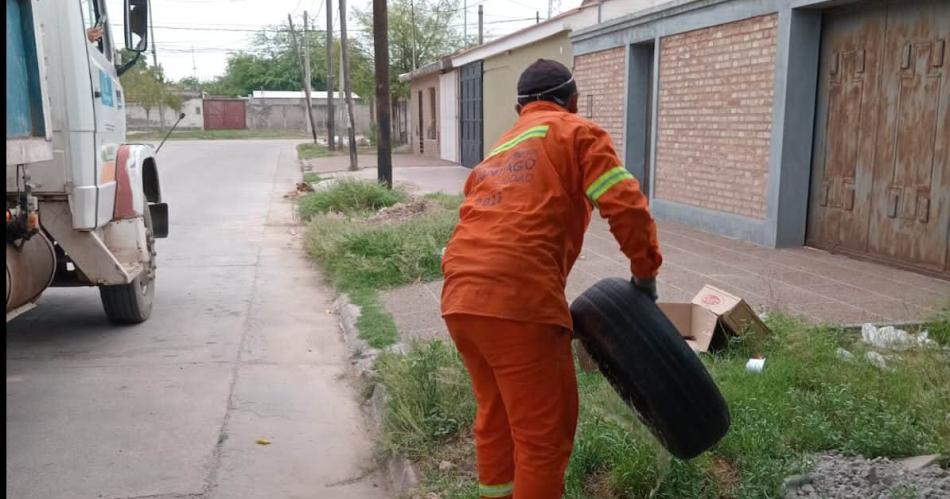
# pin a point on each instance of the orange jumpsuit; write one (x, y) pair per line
(521, 228)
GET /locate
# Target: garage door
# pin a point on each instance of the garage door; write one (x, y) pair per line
(881, 165)
(225, 114)
(470, 90)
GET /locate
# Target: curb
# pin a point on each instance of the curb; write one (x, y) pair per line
(399, 470)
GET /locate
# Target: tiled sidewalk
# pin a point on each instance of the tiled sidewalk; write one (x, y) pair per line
(817, 285)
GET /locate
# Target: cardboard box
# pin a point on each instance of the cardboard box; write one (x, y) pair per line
(706, 322)
(712, 316)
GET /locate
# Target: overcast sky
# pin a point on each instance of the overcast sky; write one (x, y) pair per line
(194, 37)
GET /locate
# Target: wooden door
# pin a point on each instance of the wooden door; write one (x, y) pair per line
(880, 183)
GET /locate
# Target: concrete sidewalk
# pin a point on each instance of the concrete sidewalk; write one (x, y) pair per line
(817, 285)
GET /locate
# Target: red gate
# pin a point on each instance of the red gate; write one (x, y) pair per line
(225, 114)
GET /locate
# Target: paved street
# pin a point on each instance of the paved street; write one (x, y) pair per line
(240, 347)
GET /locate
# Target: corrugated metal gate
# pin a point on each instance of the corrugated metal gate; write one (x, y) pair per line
(881, 165)
(470, 89)
(225, 114)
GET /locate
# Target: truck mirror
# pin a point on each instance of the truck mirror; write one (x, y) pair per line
(136, 25)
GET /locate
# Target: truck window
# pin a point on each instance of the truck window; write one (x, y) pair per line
(92, 10)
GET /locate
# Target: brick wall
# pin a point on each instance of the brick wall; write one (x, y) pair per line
(600, 82)
(715, 116)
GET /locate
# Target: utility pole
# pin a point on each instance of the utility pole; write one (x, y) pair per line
(331, 132)
(481, 33)
(550, 7)
(151, 27)
(344, 57)
(412, 22)
(384, 160)
(465, 23)
(304, 61)
(307, 76)
(537, 16)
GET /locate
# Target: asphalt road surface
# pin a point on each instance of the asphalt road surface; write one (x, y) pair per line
(240, 347)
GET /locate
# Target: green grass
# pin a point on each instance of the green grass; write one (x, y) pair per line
(312, 177)
(361, 258)
(311, 150)
(939, 326)
(219, 135)
(350, 197)
(380, 256)
(805, 401)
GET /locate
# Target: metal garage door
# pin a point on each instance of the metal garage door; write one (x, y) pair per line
(470, 88)
(225, 114)
(881, 165)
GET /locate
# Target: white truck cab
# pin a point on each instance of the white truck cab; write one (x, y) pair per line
(84, 207)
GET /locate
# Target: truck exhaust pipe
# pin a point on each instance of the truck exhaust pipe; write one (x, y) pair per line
(31, 265)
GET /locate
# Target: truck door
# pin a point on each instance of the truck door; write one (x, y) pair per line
(108, 103)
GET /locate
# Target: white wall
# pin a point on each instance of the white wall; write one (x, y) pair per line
(136, 117)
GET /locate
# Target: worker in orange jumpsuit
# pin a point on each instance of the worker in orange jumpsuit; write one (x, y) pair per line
(522, 224)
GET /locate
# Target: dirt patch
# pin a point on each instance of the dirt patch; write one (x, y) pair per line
(401, 212)
(726, 474)
(598, 485)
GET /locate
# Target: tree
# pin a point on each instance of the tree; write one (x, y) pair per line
(435, 30)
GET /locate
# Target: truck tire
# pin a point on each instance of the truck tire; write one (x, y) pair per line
(132, 303)
(651, 367)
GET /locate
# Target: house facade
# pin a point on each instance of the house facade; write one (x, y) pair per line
(785, 122)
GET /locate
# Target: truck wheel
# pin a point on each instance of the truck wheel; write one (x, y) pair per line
(651, 366)
(132, 303)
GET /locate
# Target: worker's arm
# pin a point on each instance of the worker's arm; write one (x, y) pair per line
(616, 193)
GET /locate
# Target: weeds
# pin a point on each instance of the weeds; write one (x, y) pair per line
(805, 401)
(310, 150)
(939, 326)
(350, 197)
(311, 178)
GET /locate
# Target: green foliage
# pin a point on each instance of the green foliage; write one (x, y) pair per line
(312, 177)
(145, 85)
(311, 150)
(430, 401)
(939, 326)
(375, 324)
(350, 197)
(806, 401)
(434, 25)
(379, 256)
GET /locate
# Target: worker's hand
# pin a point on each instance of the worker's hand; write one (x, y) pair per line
(647, 285)
(94, 34)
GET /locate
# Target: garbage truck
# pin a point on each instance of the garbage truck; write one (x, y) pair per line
(83, 206)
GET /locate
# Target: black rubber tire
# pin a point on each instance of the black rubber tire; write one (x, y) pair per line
(132, 303)
(651, 367)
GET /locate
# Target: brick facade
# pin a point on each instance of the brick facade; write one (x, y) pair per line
(715, 116)
(600, 82)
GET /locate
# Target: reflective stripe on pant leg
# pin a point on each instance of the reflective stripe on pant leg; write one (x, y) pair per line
(501, 490)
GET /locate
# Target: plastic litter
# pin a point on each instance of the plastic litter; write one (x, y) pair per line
(263, 441)
(876, 359)
(843, 354)
(891, 338)
(755, 365)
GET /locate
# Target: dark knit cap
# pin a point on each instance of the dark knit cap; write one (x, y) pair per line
(546, 80)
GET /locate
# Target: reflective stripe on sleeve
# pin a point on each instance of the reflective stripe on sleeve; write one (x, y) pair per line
(603, 183)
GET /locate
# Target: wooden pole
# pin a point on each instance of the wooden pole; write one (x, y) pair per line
(481, 32)
(304, 74)
(384, 160)
(344, 56)
(331, 131)
(307, 76)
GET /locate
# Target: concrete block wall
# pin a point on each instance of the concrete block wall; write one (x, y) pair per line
(714, 120)
(600, 78)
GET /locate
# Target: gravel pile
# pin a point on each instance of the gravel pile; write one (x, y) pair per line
(837, 475)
